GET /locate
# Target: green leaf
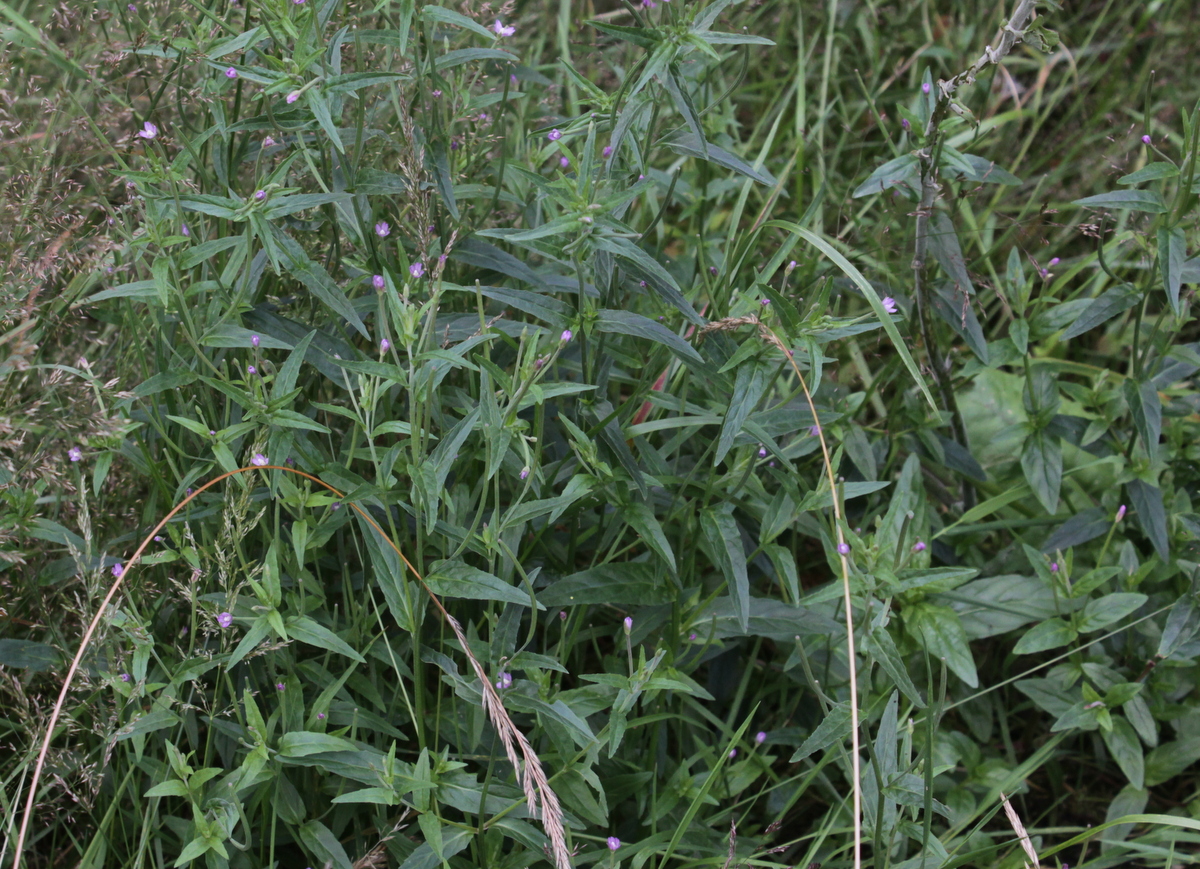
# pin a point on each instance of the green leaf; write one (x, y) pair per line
(1171, 255)
(627, 584)
(1170, 759)
(943, 243)
(1183, 621)
(1135, 200)
(324, 846)
(833, 728)
(440, 15)
(1050, 634)
(1146, 410)
(1150, 172)
(685, 142)
(1104, 611)
(644, 267)
(944, 637)
(305, 630)
(317, 280)
(725, 540)
(1147, 502)
(302, 743)
(27, 655)
(1041, 460)
(1103, 308)
(893, 173)
(748, 390)
(173, 788)
(630, 323)
(880, 646)
(642, 520)
(456, 579)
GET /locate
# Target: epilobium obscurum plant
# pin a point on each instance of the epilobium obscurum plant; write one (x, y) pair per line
(536, 317)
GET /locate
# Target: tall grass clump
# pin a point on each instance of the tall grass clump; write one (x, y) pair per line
(666, 434)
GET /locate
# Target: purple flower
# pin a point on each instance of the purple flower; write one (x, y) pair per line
(260, 195)
(131, 7)
(905, 124)
(268, 142)
(454, 145)
(889, 304)
(764, 302)
(628, 624)
(259, 460)
(814, 430)
(183, 228)
(762, 451)
(250, 369)
(484, 117)
(524, 473)
(562, 615)
(505, 681)
(231, 73)
(75, 454)
(320, 716)
(566, 336)
(1120, 512)
(385, 345)
(292, 97)
(554, 135)
(613, 843)
(607, 150)
(298, 2)
(436, 94)
(919, 546)
(416, 269)
(1054, 567)
(158, 538)
(502, 30)
(124, 677)
(148, 131)
(760, 737)
(712, 270)
(254, 340)
(791, 267)
(563, 162)
(925, 88)
(279, 686)
(843, 548)
(1054, 261)
(1145, 140)
(117, 569)
(382, 229)
(692, 635)
(225, 619)
(377, 282)
(732, 753)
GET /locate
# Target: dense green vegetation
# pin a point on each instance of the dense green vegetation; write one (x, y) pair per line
(691, 434)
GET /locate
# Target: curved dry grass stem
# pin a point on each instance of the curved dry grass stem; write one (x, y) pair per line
(768, 335)
(529, 772)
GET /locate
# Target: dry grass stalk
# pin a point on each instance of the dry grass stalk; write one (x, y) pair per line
(529, 772)
(1022, 836)
(766, 334)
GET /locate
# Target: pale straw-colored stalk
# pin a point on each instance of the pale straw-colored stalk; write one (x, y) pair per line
(766, 334)
(525, 762)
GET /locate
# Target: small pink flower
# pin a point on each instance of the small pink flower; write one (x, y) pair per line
(124, 677)
(613, 843)
(791, 267)
(250, 369)
(505, 681)
(279, 686)
(259, 460)
(1054, 567)
(524, 475)
(378, 282)
(385, 345)
(762, 452)
(382, 229)
(843, 548)
(1145, 140)
(566, 336)
(502, 30)
(732, 753)
(183, 228)
(231, 73)
(436, 94)
(607, 150)
(75, 454)
(117, 569)
(1120, 512)
(254, 340)
(562, 615)
(905, 124)
(292, 97)
(320, 716)
(692, 635)
(925, 88)
(554, 135)
(760, 737)
(628, 624)
(148, 131)
(889, 304)
(225, 619)
(260, 195)
(268, 142)
(416, 269)
(1054, 261)
(919, 546)
(765, 302)
(563, 162)
(814, 430)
